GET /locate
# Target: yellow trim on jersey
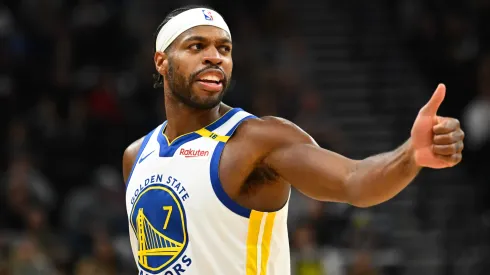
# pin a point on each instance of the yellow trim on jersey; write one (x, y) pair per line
(266, 242)
(253, 240)
(254, 231)
(204, 128)
(206, 133)
(170, 143)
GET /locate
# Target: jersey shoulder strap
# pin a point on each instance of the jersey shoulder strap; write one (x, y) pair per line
(231, 124)
(224, 128)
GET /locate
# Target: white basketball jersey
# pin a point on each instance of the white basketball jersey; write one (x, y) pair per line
(182, 221)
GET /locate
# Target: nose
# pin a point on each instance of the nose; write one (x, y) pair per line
(212, 57)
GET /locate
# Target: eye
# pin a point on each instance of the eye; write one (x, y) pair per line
(226, 48)
(196, 47)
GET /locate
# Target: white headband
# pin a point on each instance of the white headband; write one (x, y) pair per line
(186, 20)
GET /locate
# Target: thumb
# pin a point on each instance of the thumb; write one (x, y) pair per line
(430, 109)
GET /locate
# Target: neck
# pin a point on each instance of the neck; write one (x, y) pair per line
(182, 119)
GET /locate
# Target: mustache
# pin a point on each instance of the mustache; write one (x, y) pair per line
(214, 67)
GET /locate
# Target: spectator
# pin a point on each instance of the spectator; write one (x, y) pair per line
(102, 259)
(28, 259)
(362, 265)
(308, 258)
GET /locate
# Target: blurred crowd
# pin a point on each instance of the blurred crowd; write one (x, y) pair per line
(450, 40)
(76, 89)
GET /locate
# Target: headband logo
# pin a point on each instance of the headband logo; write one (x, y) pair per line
(207, 15)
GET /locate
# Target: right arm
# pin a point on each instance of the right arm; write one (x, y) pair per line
(129, 158)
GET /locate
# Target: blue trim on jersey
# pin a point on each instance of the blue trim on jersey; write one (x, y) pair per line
(140, 151)
(218, 188)
(168, 150)
(232, 130)
(216, 182)
(215, 125)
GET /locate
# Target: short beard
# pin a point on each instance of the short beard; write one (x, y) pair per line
(181, 88)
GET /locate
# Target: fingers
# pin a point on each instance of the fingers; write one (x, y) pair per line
(430, 109)
(448, 141)
(446, 125)
(451, 160)
(449, 138)
(448, 150)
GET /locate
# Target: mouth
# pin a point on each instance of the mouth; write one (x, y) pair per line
(211, 80)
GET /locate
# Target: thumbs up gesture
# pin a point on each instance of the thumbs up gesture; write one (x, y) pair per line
(437, 141)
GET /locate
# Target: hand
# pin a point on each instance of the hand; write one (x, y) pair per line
(437, 141)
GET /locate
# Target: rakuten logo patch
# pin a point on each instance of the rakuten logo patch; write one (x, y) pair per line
(189, 153)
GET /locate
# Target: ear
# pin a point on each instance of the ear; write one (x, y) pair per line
(161, 62)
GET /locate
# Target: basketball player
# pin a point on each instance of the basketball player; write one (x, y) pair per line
(208, 189)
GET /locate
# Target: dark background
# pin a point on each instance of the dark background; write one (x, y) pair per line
(76, 89)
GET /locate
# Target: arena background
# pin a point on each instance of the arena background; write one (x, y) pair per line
(76, 89)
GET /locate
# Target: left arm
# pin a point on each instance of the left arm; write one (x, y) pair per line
(328, 176)
(435, 142)
(381, 177)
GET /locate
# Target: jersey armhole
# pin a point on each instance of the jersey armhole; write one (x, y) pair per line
(216, 182)
(140, 151)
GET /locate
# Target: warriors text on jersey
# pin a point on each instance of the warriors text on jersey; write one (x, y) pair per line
(182, 221)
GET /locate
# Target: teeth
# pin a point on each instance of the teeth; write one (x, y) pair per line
(211, 78)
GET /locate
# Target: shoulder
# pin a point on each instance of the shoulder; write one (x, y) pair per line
(129, 156)
(132, 150)
(253, 141)
(256, 138)
(273, 131)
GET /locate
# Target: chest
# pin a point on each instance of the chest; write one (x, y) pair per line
(180, 181)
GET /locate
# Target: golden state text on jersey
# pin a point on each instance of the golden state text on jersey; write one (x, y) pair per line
(159, 222)
(181, 220)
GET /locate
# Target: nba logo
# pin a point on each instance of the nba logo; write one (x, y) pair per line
(207, 15)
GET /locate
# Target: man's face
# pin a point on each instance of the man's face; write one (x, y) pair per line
(199, 66)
